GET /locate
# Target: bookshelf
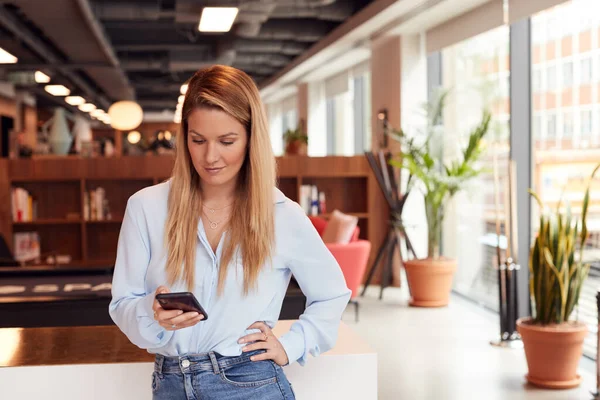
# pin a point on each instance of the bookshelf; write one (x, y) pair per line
(60, 185)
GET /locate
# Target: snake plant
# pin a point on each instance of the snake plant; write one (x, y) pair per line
(556, 267)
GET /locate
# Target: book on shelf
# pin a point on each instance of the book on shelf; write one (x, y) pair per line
(96, 205)
(27, 246)
(23, 205)
(311, 200)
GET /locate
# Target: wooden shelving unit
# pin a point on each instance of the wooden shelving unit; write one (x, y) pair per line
(59, 186)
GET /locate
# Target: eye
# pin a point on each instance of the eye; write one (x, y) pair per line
(227, 143)
(200, 141)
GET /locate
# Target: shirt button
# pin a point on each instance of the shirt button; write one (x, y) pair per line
(185, 363)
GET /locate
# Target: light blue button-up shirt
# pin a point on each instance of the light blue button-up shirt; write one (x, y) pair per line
(298, 250)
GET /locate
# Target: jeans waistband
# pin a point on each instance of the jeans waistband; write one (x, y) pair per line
(210, 361)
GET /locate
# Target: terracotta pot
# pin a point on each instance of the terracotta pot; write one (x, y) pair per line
(430, 281)
(296, 147)
(553, 352)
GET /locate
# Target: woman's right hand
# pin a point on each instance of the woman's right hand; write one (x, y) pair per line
(173, 320)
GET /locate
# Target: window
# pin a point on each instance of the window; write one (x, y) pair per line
(330, 127)
(475, 86)
(536, 124)
(289, 120)
(275, 116)
(348, 112)
(558, 167)
(586, 124)
(567, 131)
(536, 79)
(551, 78)
(567, 69)
(551, 127)
(586, 70)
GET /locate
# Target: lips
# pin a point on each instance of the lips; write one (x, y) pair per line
(213, 170)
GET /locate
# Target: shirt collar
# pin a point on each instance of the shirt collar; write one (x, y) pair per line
(278, 196)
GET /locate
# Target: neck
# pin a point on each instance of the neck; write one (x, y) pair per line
(218, 196)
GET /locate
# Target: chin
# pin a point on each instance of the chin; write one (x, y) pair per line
(215, 180)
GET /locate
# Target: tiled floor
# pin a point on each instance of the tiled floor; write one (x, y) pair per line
(444, 354)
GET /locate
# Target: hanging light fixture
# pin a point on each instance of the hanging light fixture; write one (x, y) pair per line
(125, 115)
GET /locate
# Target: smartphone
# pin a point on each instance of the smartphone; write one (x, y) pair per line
(185, 301)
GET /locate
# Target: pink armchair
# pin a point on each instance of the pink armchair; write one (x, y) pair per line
(351, 257)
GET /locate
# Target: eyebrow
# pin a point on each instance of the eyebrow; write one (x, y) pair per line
(221, 136)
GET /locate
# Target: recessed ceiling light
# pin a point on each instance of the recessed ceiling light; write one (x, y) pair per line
(75, 100)
(57, 90)
(97, 113)
(87, 107)
(41, 77)
(183, 89)
(217, 19)
(6, 57)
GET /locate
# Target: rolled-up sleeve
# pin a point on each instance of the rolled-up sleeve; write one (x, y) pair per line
(322, 282)
(131, 304)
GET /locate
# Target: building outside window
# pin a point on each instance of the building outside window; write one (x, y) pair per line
(477, 73)
(559, 171)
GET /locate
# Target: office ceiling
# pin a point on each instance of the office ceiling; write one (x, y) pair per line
(145, 49)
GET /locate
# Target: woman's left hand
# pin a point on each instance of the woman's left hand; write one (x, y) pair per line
(267, 341)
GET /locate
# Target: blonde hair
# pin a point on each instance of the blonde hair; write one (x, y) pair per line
(251, 226)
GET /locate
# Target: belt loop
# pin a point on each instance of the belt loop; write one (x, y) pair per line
(214, 362)
(158, 363)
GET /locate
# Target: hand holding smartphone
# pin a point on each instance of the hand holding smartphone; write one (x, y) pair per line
(184, 301)
(174, 311)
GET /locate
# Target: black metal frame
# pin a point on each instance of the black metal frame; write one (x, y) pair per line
(396, 233)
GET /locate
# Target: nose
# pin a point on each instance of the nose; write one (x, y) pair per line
(212, 153)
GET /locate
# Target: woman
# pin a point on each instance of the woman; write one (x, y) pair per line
(220, 229)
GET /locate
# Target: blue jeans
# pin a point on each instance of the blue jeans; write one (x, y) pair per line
(211, 376)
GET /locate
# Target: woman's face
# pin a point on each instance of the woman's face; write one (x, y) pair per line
(217, 144)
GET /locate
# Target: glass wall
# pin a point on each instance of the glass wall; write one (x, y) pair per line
(476, 72)
(348, 113)
(566, 124)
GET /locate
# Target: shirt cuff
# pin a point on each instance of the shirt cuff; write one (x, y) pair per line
(293, 344)
(144, 308)
(151, 328)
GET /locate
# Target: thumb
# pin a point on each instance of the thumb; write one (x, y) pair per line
(162, 289)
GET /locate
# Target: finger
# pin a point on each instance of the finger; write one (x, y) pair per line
(173, 327)
(162, 289)
(190, 322)
(254, 337)
(256, 346)
(263, 356)
(264, 328)
(164, 315)
(182, 318)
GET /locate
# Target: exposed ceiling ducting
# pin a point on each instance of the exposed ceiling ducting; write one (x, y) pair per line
(124, 47)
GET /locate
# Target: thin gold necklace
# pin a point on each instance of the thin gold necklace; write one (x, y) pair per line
(212, 209)
(213, 224)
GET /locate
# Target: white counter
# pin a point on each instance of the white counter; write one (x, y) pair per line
(348, 371)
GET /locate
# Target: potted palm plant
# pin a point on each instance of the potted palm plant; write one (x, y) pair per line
(296, 140)
(430, 279)
(553, 342)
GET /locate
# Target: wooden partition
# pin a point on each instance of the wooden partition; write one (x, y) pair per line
(59, 185)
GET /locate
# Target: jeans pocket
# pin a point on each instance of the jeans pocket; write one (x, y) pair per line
(250, 374)
(155, 381)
